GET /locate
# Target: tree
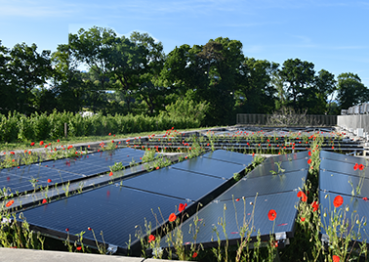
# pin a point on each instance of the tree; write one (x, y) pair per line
(256, 94)
(351, 91)
(298, 78)
(325, 85)
(29, 70)
(7, 93)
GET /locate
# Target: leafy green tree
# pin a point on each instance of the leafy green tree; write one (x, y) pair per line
(298, 78)
(351, 91)
(256, 93)
(7, 93)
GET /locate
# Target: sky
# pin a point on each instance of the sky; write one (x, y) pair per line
(332, 34)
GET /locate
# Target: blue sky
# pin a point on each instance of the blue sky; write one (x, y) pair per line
(333, 34)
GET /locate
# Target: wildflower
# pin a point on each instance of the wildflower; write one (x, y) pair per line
(88, 146)
(309, 153)
(361, 167)
(111, 173)
(41, 143)
(172, 217)
(309, 161)
(44, 201)
(79, 248)
(33, 143)
(89, 229)
(365, 198)
(29, 152)
(315, 206)
(302, 195)
(332, 147)
(112, 141)
(46, 146)
(182, 207)
(356, 166)
(335, 258)
(12, 153)
(11, 202)
(67, 229)
(49, 180)
(302, 219)
(58, 141)
(194, 254)
(272, 214)
(338, 201)
(151, 238)
(237, 199)
(109, 134)
(157, 168)
(253, 154)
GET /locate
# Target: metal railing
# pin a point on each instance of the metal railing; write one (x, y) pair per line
(287, 120)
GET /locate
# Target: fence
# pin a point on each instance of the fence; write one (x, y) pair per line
(287, 120)
(353, 122)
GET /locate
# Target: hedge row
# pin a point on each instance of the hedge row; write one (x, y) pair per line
(42, 126)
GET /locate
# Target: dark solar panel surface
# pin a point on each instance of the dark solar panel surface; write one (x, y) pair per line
(342, 158)
(343, 183)
(236, 213)
(230, 156)
(288, 157)
(342, 167)
(210, 167)
(116, 211)
(64, 170)
(266, 185)
(288, 166)
(176, 183)
(21, 179)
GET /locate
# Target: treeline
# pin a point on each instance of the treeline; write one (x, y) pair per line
(134, 76)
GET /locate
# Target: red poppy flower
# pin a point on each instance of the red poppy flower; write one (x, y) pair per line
(11, 202)
(302, 219)
(361, 167)
(332, 147)
(109, 134)
(157, 168)
(29, 152)
(272, 214)
(172, 217)
(315, 206)
(182, 207)
(44, 201)
(79, 248)
(151, 238)
(356, 166)
(237, 199)
(253, 154)
(309, 161)
(338, 201)
(335, 258)
(49, 180)
(309, 153)
(67, 229)
(365, 198)
(41, 143)
(33, 143)
(111, 173)
(194, 254)
(302, 195)
(112, 141)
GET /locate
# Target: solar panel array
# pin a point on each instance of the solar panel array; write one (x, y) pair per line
(119, 211)
(29, 177)
(247, 203)
(338, 177)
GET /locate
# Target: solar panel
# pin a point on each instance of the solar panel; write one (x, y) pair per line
(210, 167)
(21, 179)
(343, 183)
(117, 212)
(285, 166)
(341, 157)
(237, 214)
(176, 183)
(342, 167)
(265, 185)
(229, 156)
